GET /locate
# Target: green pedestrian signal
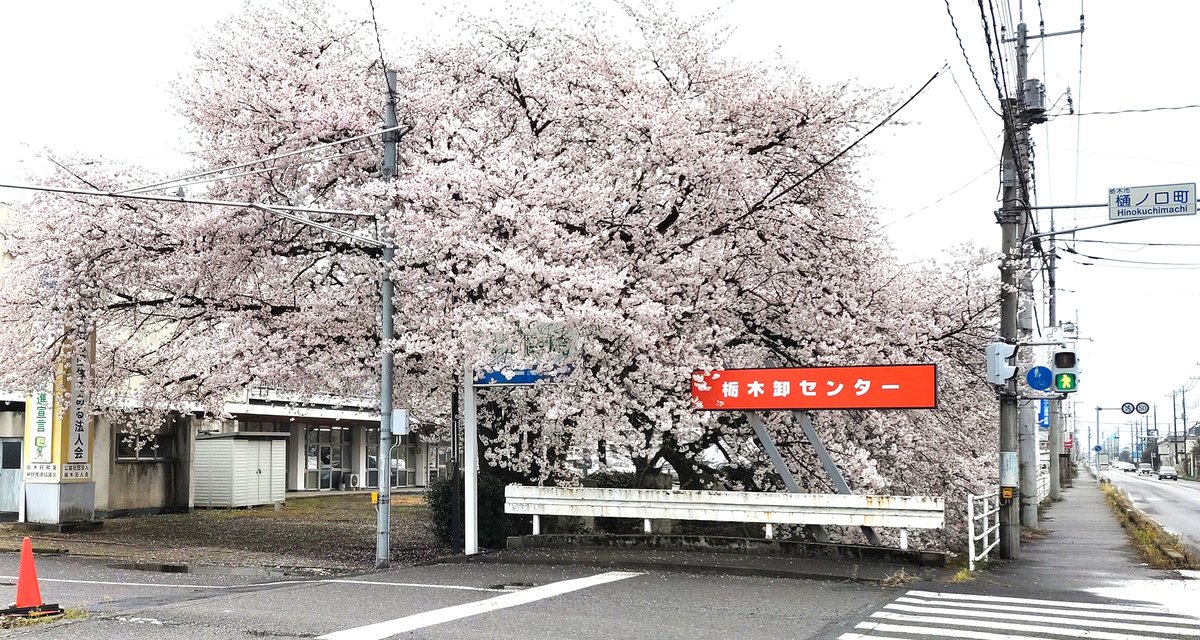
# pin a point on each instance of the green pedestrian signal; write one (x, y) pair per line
(1065, 382)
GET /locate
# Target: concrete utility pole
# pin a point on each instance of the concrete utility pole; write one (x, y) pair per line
(383, 461)
(1056, 432)
(1028, 434)
(1012, 216)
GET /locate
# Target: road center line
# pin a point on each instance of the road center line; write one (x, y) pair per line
(380, 630)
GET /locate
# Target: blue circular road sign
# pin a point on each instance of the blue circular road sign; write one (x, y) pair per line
(1039, 378)
(1098, 448)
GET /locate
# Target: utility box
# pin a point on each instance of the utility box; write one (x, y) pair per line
(240, 469)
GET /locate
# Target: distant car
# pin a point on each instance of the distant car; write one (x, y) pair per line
(1145, 469)
(1128, 467)
(1167, 473)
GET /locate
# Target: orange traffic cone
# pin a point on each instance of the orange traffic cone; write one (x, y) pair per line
(29, 596)
(28, 593)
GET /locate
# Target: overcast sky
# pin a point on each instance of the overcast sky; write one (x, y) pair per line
(85, 77)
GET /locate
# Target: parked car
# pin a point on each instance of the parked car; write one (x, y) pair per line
(1167, 473)
(1128, 467)
(1145, 469)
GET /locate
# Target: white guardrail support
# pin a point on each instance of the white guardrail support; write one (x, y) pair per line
(983, 526)
(770, 509)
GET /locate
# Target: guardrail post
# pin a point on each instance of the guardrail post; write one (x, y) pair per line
(971, 530)
(903, 539)
(770, 530)
(537, 524)
(646, 525)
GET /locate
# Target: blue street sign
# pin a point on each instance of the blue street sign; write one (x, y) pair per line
(1044, 414)
(1098, 448)
(521, 377)
(1039, 378)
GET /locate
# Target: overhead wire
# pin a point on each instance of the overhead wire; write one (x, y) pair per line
(1144, 110)
(939, 200)
(966, 59)
(974, 117)
(873, 129)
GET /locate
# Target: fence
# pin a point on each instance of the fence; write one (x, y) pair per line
(1043, 487)
(769, 509)
(983, 526)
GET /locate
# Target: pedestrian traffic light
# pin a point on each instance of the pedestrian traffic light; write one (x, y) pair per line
(1066, 371)
(998, 369)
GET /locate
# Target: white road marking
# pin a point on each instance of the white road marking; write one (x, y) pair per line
(1055, 603)
(381, 630)
(1053, 619)
(1035, 628)
(945, 633)
(1104, 615)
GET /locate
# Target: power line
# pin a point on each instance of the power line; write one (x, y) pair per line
(1141, 244)
(873, 129)
(974, 117)
(966, 59)
(939, 200)
(1132, 262)
(1146, 110)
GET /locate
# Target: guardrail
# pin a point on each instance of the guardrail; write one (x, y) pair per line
(983, 526)
(770, 509)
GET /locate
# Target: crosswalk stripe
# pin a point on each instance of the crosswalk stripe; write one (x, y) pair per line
(1105, 615)
(864, 636)
(1011, 626)
(963, 633)
(1057, 603)
(1079, 622)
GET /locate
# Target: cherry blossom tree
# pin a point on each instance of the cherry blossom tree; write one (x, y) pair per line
(614, 177)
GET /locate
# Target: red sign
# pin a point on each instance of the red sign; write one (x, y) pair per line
(900, 386)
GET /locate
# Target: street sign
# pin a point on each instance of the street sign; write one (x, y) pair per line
(1043, 416)
(505, 377)
(1127, 408)
(903, 386)
(1068, 444)
(1142, 407)
(1097, 448)
(1132, 203)
(1039, 378)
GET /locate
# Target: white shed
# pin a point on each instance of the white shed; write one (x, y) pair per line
(240, 469)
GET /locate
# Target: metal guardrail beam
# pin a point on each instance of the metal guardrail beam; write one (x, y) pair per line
(903, 512)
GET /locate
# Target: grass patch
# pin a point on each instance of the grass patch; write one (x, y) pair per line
(899, 579)
(963, 575)
(335, 532)
(1158, 548)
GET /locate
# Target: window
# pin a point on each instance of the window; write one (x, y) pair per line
(264, 426)
(133, 447)
(10, 458)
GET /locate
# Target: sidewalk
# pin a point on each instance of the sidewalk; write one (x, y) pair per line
(1083, 549)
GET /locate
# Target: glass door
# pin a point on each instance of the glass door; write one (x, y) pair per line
(325, 457)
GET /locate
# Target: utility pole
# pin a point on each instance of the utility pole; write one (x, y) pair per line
(1012, 218)
(1028, 433)
(1174, 431)
(1026, 108)
(383, 461)
(1056, 434)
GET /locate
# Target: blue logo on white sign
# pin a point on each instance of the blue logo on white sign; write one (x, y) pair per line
(1039, 378)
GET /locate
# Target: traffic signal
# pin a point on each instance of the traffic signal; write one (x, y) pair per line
(1066, 371)
(998, 369)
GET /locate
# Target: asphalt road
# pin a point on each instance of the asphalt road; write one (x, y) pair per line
(444, 601)
(1174, 504)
